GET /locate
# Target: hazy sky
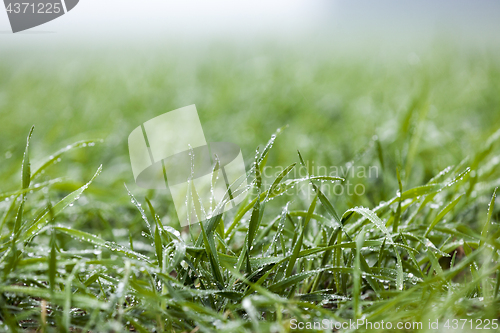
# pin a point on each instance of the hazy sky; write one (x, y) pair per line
(131, 21)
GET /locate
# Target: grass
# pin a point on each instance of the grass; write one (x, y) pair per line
(81, 252)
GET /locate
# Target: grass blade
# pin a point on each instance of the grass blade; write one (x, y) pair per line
(441, 214)
(487, 224)
(37, 225)
(298, 243)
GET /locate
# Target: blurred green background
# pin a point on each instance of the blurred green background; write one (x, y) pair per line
(443, 100)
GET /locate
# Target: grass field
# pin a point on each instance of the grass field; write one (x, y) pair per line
(80, 252)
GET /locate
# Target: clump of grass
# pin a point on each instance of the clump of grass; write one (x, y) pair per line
(429, 252)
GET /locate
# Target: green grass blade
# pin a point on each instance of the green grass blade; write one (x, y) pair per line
(356, 293)
(298, 243)
(487, 224)
(395, 226)
(26, 167)
(212, 256)
(54, 158)
(254, 224)
(37, 225)
(441, 214)
(141, 210)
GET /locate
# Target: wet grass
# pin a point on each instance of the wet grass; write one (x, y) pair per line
(81, 252)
